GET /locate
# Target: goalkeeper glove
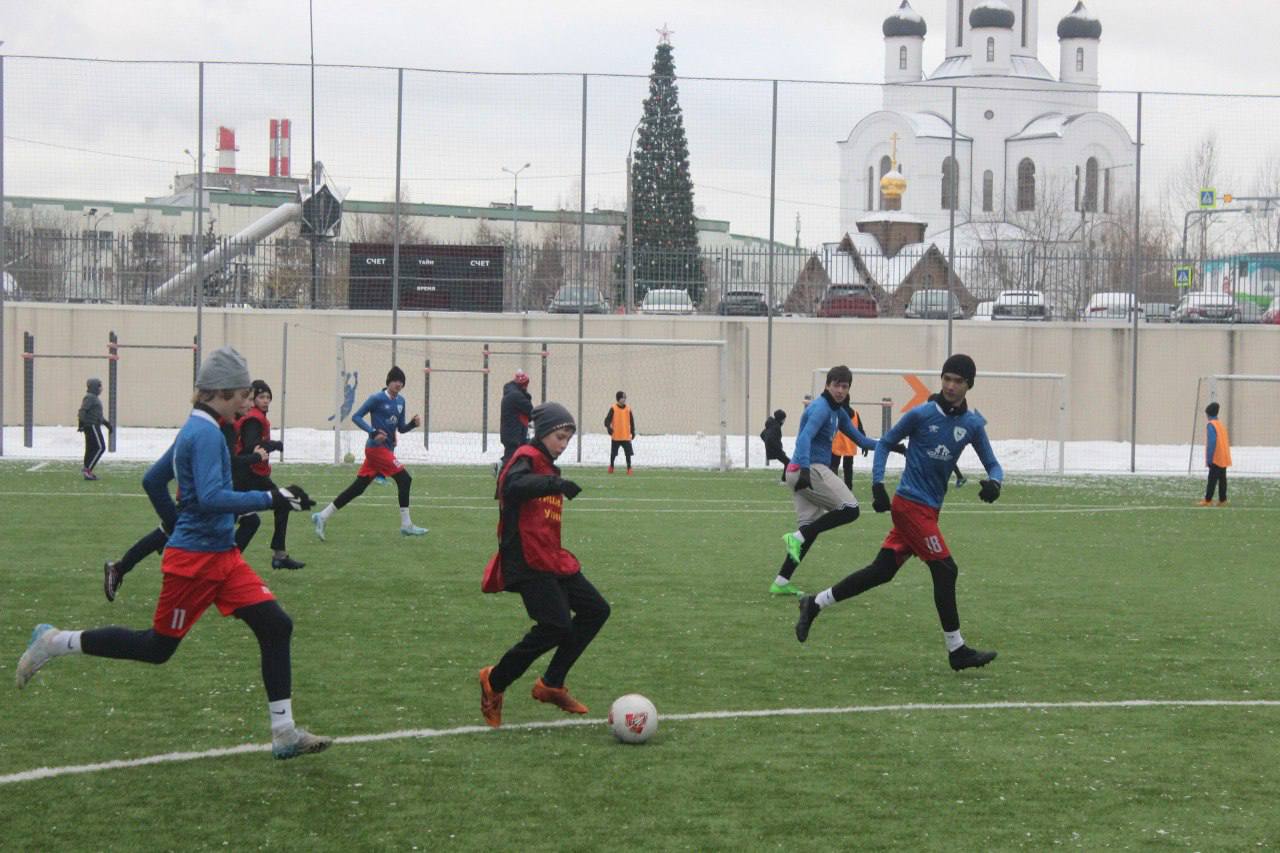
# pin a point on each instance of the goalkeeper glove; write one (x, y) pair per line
(802, 480)
(568, 488)
(879, 498)
(989, 490)
(898, 448)
(293, 499)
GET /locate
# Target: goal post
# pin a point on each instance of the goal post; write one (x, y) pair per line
(681, 402)
(1027, 404)
(1248, 403)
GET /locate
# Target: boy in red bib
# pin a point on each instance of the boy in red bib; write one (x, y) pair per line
(567, 610)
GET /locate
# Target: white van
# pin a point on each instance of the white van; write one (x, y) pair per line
(1110, 306)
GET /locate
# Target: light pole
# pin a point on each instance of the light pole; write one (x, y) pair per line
(91, 241)
(195, 201)
(515, 234)
(629, 286)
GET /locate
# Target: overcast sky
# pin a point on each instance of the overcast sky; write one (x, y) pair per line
(1176, 45)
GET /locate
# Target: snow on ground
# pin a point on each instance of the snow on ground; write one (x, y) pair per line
(653, 451)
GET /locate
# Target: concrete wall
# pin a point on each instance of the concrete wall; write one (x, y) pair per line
(671, 390)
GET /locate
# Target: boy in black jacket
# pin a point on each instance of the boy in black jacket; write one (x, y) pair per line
(771, 435)
(90, 422)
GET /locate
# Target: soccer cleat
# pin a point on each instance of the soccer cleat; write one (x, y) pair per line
(558, 696)
(295, 742)
(961, 479)
(286, 562)
(490, 700)
(629, 472)
(111, 580)
(88, 475)
(38, 653)
(1205, 502)
(413, 530)
(785, 589)
(610, 469)
(794, 546)
(1222, 503)
(809, 611)
(965, 657)
(379, 480)
(318, 521)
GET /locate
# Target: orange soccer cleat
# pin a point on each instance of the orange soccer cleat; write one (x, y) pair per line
(558, 696)
(490, 700)
(1204, 503)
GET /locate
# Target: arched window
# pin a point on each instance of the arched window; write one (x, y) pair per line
(885, 165)
(871, 188)
(950, 184)
(988, 190)
(1026, 185)
(902, 58)
(991, 49)
(1091, 185)
(1106, 191)
(960, 24)
(1024, 22)
(1079, 58)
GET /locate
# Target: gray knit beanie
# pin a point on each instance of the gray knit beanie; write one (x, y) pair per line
(93, 386)
(549, 417)
(223, 370)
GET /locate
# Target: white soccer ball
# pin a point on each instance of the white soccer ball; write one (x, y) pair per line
(633, 718)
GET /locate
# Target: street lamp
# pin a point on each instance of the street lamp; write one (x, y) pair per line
(515, 232)
(628, 297)
(91, 239)
(195, 237)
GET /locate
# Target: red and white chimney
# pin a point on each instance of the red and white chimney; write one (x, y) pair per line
(226, 151)
(279, 161)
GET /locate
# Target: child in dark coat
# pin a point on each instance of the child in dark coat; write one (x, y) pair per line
(90, 422)
(771, 435)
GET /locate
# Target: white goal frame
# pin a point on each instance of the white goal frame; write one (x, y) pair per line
(720, 346)
(820, 375)
(1213, 398)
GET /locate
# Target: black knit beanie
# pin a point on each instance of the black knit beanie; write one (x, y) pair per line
(260, 387)
(395, 374)
(961, 365)
(779, 416)
(1212, 410)
(549, 417)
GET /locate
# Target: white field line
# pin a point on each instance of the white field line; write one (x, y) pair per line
(37, 466)
(410, 734)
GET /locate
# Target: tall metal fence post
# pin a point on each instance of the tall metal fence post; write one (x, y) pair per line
(1137, 273)
(3, 274)
(284, 382)
(113, 360)
(28, 388)
(746, 396)
(545, 353)
(953, 191)
(484, 402)
(582, 259)
(395, 216)
(773, 199)
(426, 404)
(200, 218)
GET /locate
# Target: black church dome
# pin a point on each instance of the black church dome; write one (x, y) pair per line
(1079, 25)
(991, 13)
(904, 22)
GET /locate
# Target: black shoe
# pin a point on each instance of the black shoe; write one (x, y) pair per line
(809, 611)
(111, 580)
(285, 562)
(965, 657)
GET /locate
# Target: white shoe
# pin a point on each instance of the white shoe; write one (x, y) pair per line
(413, 530)
(318, 520)
(297, 741)
(38, 653)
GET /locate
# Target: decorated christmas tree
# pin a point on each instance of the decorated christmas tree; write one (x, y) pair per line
(665, 233)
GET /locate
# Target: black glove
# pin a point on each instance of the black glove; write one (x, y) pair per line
(271, 446)
(108, 425)
(802, 480)
(865, 451)
(293, 499)
(879, 498)
(989, 490)
(568, 488)
(898, 448)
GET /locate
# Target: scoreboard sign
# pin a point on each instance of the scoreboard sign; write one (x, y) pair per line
(432, 277)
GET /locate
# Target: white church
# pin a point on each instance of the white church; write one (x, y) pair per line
(1024, 139)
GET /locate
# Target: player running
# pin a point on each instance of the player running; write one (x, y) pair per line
(386, 411)
(202, 565)
(937, 432)
(253, 433)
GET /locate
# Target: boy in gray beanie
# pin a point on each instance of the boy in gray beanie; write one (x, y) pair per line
(90, 422)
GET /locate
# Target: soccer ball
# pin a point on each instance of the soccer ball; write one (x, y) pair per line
(349, 457)
(633, 718)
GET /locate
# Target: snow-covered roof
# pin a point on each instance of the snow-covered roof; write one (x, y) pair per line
(1019, 66)
(891, 216)
(1047, 126)
(1079, 24)
(889, 273)
(992, 13)
(973, 235)
(932, 126)
(904, 22)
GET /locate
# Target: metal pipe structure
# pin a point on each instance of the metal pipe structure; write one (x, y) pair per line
(1137, 272)
(242, 242)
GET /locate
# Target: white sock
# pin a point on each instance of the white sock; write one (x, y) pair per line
(954, 640)
(327, 512)
(781, 581)
(826, 598)
(798, 535)
(281, 715)
(67, 643)
(405, 521)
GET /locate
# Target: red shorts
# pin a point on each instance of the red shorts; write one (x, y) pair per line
(195, 579)
(379, 460)
(915, 531)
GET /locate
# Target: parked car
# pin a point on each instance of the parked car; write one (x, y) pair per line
(743, 303)
(1157, 312)
(1206, 308)
(1272, 314)
(983, 311)
(571, 297)
(849, 300)
(1020, 305)
(933, 305)
(667, 301)
(1250, 312)
(1110, 306)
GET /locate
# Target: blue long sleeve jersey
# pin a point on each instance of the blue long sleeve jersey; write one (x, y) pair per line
(207, 504)
(156, 484)
(386, 414)
(935, 441)
(818, 425)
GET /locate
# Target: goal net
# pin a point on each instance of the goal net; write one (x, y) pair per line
(677, 390)
(1247, 408)
(1026, 412)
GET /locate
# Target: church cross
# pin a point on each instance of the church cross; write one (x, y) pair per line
(894, 138)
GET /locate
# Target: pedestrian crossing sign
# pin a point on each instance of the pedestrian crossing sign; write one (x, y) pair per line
(1182, 276)
(1208, 198)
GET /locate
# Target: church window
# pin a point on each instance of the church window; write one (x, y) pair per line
(988, 190)
(902, 58)
(1024, 22)
(1080, 59)
(871, 188)
(1091, 185)
(991, 50)
(960, 24)
(1026, 184)
(1106, 191)
(950, 184)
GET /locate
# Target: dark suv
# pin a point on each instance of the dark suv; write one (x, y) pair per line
(743, 303)
(849, 300)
